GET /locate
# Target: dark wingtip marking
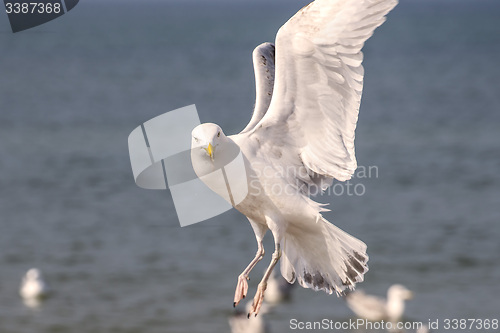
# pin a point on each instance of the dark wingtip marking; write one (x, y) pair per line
(264, 60)
(346, 282)
(319, 281)
(355, 264)
(351, 274)
(360, 257)
(307, 277)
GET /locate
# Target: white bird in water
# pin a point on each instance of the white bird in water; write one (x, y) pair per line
(278, 289)
(33, 288)
(240, 322)
(299, 139)
(376, 308)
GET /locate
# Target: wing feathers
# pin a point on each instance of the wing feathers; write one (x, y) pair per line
(263, 62)
(325, 258)
(319, 81)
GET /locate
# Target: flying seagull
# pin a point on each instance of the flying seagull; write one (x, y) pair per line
(300, 138)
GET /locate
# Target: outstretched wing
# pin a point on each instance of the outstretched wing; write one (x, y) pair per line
(263, 65)
(319, 81)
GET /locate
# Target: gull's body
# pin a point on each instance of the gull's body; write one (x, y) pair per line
(240, 323)
(33, 288)
(376, 308)
(300, 138)
(278, 289)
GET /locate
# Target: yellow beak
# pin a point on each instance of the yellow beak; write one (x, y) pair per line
(210, 151)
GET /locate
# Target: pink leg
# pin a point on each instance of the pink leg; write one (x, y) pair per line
(261, 288)
(242, 285)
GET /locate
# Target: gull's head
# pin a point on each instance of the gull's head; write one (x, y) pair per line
(398, 291)
(34, 274)
(207, 137)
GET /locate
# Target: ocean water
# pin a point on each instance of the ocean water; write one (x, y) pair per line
(114, 254)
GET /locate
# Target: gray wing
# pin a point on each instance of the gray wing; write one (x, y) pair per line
(263, 64)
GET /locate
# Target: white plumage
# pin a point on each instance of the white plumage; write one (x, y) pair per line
(278, 289)
(375, 308)
(300, 138)
(240, 322)
(33, 287)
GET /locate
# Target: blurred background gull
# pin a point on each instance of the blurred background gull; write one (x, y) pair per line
(73, 89)
(278, 289)
(241, 322)
(33, 288)
(375, 308)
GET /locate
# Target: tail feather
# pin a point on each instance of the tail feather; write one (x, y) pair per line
(323, 258)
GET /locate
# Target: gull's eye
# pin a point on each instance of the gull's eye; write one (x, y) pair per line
(218, 134)
(196, 140)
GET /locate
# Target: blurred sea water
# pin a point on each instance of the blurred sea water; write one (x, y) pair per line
(72, 90)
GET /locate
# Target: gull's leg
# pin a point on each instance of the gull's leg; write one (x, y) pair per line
(242, 285)
(261, 288)
(278, 230)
